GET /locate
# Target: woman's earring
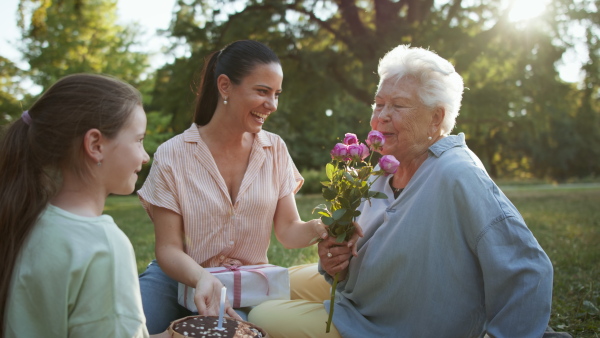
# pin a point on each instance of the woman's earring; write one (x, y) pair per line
(225, 101)
(99, 164)
(429, 138)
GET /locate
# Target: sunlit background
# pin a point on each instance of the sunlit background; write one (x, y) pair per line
(155, 15)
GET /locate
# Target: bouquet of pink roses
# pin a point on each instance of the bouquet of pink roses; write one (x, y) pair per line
(348, 186)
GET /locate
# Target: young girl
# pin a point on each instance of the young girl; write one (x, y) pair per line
(68, 270)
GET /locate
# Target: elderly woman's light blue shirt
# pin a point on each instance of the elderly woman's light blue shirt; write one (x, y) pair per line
(451, 257)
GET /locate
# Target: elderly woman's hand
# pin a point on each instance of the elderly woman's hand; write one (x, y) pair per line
(335, 257)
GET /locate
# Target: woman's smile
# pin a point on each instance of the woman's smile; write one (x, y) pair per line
(260, 117)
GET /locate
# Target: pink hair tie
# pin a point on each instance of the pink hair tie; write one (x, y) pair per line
(26, 118)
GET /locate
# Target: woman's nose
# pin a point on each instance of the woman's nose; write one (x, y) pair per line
(271, 104)
(385, 114)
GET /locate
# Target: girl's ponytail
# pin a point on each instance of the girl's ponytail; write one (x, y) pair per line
(34, 148)
(24, 193)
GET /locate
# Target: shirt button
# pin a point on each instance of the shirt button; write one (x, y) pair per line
(222, 257)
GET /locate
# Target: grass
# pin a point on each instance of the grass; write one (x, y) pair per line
(565, 221)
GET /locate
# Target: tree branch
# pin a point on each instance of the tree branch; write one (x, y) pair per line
(358, 93)
(386, 13)
(453, 11)
(294, 7)
(350, 15)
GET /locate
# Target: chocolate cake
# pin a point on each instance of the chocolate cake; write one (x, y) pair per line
(205, 326)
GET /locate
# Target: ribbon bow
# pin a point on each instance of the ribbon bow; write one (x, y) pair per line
(237, 279)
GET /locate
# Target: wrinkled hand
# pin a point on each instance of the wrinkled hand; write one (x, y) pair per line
(207, 297)
(357, 234)
(335, 257)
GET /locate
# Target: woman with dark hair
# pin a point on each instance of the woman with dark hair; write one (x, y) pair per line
(215, 191)
(67, 269)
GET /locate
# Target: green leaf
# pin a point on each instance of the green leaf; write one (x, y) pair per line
(340, 238)
(329, 194)
(339, 213)
(380, 195)
(327, 220)
(320, 208)
(329, 170)
(344, 203)
(364, 172)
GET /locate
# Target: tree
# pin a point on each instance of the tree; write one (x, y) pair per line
(71, 36)
(330, 51)
(10, 92)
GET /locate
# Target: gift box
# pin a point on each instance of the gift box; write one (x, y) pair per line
(247, 285)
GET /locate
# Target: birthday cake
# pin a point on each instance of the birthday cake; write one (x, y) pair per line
(206, 326)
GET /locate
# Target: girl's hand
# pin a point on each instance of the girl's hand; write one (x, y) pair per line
(207, 297)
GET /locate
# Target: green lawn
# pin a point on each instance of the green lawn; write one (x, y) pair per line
(566, 223)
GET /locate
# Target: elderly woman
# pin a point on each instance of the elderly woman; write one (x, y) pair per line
(446, 254)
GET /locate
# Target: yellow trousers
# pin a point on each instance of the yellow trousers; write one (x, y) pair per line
(302, 316)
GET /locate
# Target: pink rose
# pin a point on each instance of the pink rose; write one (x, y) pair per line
(350, 138)
(375, 140)
(389, 164)
(354, 152)
(364, 151)
(339, 152)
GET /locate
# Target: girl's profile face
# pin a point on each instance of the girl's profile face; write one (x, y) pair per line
(125, 155)
(257, 96)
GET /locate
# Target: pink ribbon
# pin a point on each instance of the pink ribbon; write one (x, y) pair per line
(237, 281)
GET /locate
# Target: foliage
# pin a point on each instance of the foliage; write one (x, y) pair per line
(10, 108)
(564, 219)
(157, 132)
(73, 36)
(312, 181)
(517, 114)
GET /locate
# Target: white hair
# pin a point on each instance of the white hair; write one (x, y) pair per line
(440, 84)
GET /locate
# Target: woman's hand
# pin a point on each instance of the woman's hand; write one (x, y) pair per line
(207, 296)
(357, 234)
(319, 228)
(335, 257)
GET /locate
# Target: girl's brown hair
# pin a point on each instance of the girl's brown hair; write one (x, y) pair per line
(32, 152)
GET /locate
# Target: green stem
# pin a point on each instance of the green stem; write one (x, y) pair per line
(332, 301)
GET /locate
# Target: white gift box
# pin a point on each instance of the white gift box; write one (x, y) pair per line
(247, 285)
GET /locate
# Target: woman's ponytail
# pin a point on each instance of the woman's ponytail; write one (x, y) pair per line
(208, 93)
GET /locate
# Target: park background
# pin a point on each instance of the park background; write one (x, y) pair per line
(531, 110)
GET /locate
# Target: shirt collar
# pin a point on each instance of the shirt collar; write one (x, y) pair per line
(192, 135)
(448, 142)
